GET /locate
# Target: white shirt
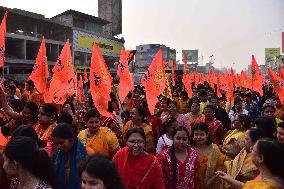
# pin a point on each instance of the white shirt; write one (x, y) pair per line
(233, 115)
(163, 141)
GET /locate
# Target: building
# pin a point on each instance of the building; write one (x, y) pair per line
(85, 30)
(111, 10)
(26, 29)
(146, 53)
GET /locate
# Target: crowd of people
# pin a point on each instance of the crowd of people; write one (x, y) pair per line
(200, 142)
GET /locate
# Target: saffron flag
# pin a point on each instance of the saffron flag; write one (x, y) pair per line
(281, 72)
(154, 81)
(100, 82)
(80, 90)
(85, 75)
(187, 82)
(184, 62)
(2, 40)
(126, 82)
(245, 80)
(173, 73)
(63, 82)
(256, 77)
(40, 73)
(278, 84)
(218, 92)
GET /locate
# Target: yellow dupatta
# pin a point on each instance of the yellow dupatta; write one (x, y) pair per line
(241, 166)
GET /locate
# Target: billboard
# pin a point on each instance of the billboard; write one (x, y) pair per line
(151, 53)
(271, 54)
(192, 55)
(83, 42)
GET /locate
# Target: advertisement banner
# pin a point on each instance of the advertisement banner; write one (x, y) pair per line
(151, 53)
(271, 54)
(192, 55)
(83, 42)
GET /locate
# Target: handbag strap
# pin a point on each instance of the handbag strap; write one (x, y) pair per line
(147, 173)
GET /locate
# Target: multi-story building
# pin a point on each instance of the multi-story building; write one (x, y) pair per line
(25, 31)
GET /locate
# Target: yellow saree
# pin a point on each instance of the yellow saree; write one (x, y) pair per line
(207, 165)
(261, 184)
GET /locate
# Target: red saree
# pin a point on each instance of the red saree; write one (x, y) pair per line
(141, 172)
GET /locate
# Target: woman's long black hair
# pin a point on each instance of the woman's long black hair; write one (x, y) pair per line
(26, 152)
(173, 156)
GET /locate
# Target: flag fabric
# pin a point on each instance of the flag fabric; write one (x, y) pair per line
(100, 82)
(245, 80)
(40, 72)
(281, 72)
(187, 82)
(218, 92)
(85, 75)
(256, 77)
(126, 81)
(80, 90)
(278, 84)
(154, 81)
(173, 73)
(2, 40)
(184, 62)
(63, 82)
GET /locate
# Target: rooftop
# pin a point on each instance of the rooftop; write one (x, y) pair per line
(84, 16)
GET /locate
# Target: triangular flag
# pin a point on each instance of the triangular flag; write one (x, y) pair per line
(278, 84)
(281, 72)
(256, 77)
(126, 81)
(100, 82)
(2, 40)
(63, 82)
(40, 72)
(85, 75)
(173, 73)
(80, 90)
(184, 62)
(154, 81)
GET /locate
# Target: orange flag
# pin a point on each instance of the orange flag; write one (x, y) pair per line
(80, 90)
(230, 89)
(154, 81)
(2, 40)
(281, 72)
(126, 83)
(85, 75)
(278, 84)
(40, 70)
(218, 85)
(187, 82)
(256, 77)
(245, 80)
(100, 82)
(63, 82)
(184, 62)
(173, 73)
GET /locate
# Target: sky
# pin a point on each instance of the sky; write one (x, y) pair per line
(231, 30)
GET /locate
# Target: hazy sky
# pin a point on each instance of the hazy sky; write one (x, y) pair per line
(232, 30)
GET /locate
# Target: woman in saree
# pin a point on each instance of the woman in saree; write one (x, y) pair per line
(179, 162)
(69, 153)
(138, 121)
(209, 157)
(234, 141)
(137, 168)
(214, 125)
(194, 116)
(268, 155)
(46, 123)
(241, 169)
